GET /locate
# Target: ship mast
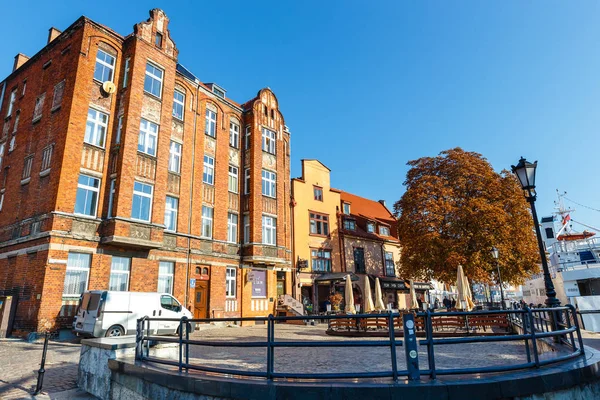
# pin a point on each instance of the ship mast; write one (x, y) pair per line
(563, 213)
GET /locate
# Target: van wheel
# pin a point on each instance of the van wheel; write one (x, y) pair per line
(115, 331)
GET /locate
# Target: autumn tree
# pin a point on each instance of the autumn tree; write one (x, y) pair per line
(455, 209)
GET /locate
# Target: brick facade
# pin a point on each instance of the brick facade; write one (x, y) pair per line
(39, 226)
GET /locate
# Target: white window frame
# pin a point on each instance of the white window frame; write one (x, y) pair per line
(177, 102)
(46, 159)
(269, 183)
(11, 102)
(246, 221)
(234, 134)
(2, 198)
(231, 283)
(169, 275)
(2, 147)
(119, 129)
(207, 221)
(247, 181)
(126, 73)
(27, 164)
(370, 227)
(208, 170)
(105, 65)
(233, 179)
(346, 208)
(97, 135)
(173, 212)
(90, 188)
(383, 229)
(269, 230)
(269, 141)
(247, 137)
(116, 272)
(146, 133)
(175, 157)
(71, 267)
(144, 195)
(111, 197)
(210, 127)
(151, 75)
(392, 263)
(232, 227)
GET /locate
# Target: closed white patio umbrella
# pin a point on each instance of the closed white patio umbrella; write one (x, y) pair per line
(349, 297)
(414, 304)
(465, 299)
(379, 306)
(368, 300)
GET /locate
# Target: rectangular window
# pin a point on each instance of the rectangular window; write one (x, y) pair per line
(259, 283)
(105, 66)
(269, 230)
(318, 193)
(232, 227)
(246, 228)
(2, 146)
(247, 138)
(268, 183)
(370, 227)
(349, 224)
(319, 224)
(47, 158)
(247, 181)
(178, 104)
(347, 208)
(59, 90)
(86, 201)
(119, 274)
(320, 260)
(166, 270)
(175, 157)
(27, 162)
(126, 74)
(171, 209)
(390, 269)
(233, 179)
(39, 107)
(208, 174)
(268, 137)
(207, 222)
(153, 80)
(11, 102)
(141, 207)
(148, 137)
(359, 260)
(95, 129)
(158, 39)
(111, 197)
(211, 123)
(119, 129)
(1, 198)
(78, 271)
(384, 231)
(17, 116)
(234, 135)
(24, 87)
(230, 282)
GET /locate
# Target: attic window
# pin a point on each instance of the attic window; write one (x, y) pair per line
(272, 114)
(370, 227)
(218, 92)
(158, 39)
(384, 231)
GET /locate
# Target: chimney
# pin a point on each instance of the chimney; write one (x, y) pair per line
(53, 34)
(382, 202)
(20, 59)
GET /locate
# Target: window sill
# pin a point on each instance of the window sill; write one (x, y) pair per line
(94, 145)
(8, 117)
(56, 108)
(231, 297)
(269, 197)
(209, 135)
(205, 237)
(270, 245)
(36, 119)
(145, 221)
(178, 119)
(25, 181)
(153, 96)
(45, 172)
(317, 235)
(85, 216)
(209, 184)
(143, 153)
(268, 152)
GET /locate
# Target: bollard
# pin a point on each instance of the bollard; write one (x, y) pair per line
(40, 380)
(410, 347)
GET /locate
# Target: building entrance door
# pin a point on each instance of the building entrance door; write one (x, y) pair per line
(201, 300)
(280, 283)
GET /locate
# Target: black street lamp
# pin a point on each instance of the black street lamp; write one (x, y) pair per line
(525, 171)
(495, 256)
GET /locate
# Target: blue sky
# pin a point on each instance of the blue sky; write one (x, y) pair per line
(367, 86)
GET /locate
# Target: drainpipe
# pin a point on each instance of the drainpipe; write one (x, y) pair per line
(189, 241)
(341, 239)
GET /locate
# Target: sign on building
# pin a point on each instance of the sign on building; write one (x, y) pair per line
(192, 282)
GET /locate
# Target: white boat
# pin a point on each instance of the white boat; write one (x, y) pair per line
(574, 264)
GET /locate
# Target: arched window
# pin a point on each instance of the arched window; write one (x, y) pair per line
(198, 270)
(204, 271)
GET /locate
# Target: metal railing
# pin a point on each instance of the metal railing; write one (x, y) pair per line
(534, 327)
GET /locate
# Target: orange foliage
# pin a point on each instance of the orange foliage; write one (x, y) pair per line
(455, 209)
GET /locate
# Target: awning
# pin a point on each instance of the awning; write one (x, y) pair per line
(391, 283)
(422, 285)
(335, 277)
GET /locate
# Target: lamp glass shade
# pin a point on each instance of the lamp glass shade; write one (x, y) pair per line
(525, 171)
(494, 252)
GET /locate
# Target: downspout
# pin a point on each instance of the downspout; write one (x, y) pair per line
(189, 239)
(341, 240)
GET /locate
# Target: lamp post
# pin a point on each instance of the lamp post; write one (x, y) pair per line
(525, 171)
(495, 256)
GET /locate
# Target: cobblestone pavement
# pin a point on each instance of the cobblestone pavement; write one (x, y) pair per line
(20, 362)
(339, 359)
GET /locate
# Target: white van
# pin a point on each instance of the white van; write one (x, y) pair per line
(107, 313)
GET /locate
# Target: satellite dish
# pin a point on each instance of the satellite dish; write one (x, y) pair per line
(109, 88)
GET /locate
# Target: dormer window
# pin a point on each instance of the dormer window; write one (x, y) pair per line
(346, 208)
(371, 227)
(384, 231)
(349, 224)
(216, 89)
(158, 39)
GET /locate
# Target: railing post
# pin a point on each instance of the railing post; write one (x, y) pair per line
(392, 336)
(147, 338)
(576, 322)
(527, 351)
(430, 351)
(270, 354)
(533, 340)
(181, 344)
(138, 339)
(42, 370)
(187, 343)
(410, 347)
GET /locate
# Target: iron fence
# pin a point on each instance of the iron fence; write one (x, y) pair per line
(534, 323)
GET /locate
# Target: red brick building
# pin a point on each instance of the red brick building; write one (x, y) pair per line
(121, 170)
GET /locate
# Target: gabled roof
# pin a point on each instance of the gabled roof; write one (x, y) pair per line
(364, 210)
